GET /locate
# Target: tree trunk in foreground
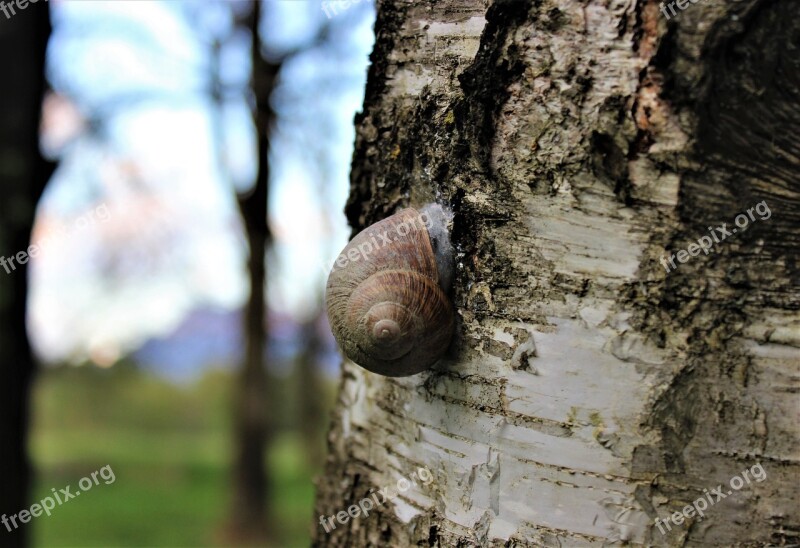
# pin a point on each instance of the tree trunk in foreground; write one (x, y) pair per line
(589, 391)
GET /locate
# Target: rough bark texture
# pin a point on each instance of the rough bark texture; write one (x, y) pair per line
(588, 391)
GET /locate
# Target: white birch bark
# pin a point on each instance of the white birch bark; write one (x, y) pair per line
(589, 391)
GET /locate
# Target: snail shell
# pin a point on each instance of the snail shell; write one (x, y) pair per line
(386, 294)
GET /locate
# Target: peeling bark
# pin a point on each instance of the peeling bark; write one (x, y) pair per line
(590, 391)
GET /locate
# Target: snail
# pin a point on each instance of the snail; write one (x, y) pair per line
(386, 294)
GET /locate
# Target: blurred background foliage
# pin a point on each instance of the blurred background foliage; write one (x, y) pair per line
(139, 319)
(170, 448)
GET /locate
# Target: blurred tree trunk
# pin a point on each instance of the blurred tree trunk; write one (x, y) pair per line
(253, 421)
(310, 396)
(23, 174)
(589, 390)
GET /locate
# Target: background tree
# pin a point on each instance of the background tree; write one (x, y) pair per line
(589, 390)
(23, 173)
(254, 420)
(252, 428)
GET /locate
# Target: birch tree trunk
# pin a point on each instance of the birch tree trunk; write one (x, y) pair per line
(589, 390)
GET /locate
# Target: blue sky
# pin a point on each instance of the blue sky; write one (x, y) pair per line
(134, 128)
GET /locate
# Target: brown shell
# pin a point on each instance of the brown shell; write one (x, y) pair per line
(384, 302)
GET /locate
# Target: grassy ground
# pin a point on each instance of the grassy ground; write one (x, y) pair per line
(169, 448)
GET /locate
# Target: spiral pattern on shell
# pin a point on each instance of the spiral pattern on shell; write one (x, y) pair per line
(385, 303)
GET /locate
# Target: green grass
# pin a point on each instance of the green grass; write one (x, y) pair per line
(170, 450)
